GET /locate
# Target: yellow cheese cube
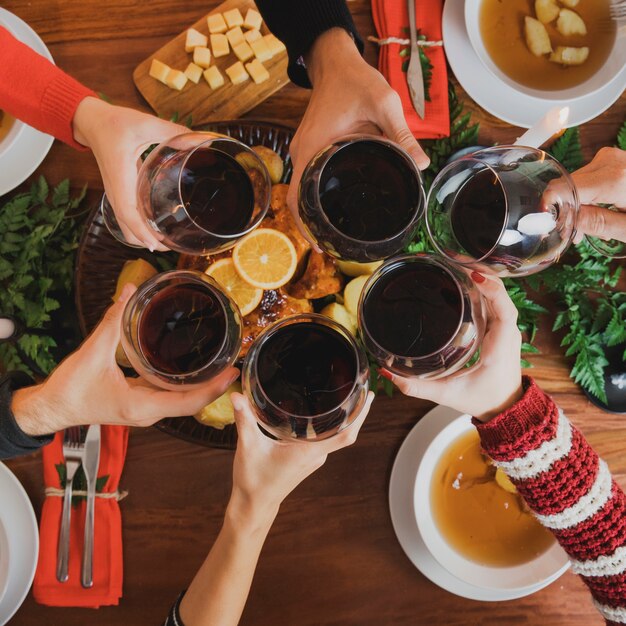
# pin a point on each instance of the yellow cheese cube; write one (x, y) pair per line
(233, 18)
(261, 50)
(194, 39)
(216, 23)
(275, 45)
(202, 57)
(159, 70)
(193, 73)
(253, 19)
(235, 36)
(176, 79)
(219, 45)
(243, 51)
(214, 77)
(252, 35)
(257, 70)
(237, 73)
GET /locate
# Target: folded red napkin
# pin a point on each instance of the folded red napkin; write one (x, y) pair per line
(391, 18)
(107, 556)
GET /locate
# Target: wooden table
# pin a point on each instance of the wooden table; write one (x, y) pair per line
(332, 557)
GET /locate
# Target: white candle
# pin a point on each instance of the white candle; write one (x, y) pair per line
(553, 122)
(7, 328)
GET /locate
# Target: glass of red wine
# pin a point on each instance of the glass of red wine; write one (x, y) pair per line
(361, 198)
(306, 377)
(179, 328)
(420, 316)
(200, 192)
(508, 210)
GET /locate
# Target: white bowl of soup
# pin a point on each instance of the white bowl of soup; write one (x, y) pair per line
(497, 33)
(10, 128)
(478, 530)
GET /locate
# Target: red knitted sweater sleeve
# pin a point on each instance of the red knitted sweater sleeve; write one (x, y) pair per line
(36, 91)
(570, 490)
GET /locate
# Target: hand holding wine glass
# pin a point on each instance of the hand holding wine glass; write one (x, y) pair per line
(495, 382)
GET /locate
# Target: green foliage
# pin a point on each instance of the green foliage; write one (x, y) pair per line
(621, 137)
(567, 149)
(38, 238)
(80, 482)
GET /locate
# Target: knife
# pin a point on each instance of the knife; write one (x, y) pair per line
(414, 76)
(90, 467)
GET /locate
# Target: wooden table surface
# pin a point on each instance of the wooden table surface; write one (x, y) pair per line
(332, 557)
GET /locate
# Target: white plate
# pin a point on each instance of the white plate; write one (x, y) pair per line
(501, 100)
(401, 505)
(4, 562)
(20, 525)
(30, 146)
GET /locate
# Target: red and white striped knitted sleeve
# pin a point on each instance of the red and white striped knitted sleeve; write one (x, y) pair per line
(569, 488)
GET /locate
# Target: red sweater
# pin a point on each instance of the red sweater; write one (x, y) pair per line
(36, 91)
(570, 490)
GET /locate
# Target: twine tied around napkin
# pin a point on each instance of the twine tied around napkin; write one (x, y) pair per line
(114, 495)
(403, 42)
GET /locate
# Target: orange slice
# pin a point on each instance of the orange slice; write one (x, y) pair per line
(245, 295)
(265, 258)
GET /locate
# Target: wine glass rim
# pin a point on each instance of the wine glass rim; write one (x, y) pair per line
(387, 266)
(313, 318)
(192, 276)
(219, 137)
(351, 140)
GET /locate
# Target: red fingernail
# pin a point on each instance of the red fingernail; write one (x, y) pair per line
(385, 374)
(477, 277)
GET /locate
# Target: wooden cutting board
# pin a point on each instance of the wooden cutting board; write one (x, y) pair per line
(200, 101)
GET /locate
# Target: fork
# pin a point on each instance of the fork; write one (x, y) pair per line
(73, 451)
(618, 9)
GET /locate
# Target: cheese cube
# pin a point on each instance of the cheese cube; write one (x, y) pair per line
(243, 51)
(159, 70)
(176, 79)
(202, 57)
(253, 19)
(219, 45)
(194, 39)
(237, 73)
(252, 35)
(193, 73)
(235, 36)
(214, 77)
(233, 18)
(261, 50)
(257, 70)
(275, 45)
(216, 23)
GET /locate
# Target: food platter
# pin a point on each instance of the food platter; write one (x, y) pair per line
(100, 259)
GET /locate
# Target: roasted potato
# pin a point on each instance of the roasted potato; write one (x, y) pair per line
(220, 412)
(352, 293)
(546, 10)
(569, 56)
(537, 38)
(340, 314)
(273, 162)
(570, 23)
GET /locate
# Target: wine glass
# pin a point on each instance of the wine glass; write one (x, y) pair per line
(200, 192)
(180, 329)
(361, 198)
(508, 210)
(421, 316)
(306, 377)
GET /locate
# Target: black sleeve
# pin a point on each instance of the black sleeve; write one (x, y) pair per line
(298, 23)
(173, 617)
(13, 440)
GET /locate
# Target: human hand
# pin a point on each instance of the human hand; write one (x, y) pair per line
(603, 181)
(118, 136)
(495, 382)
(349, 97)
(265, 470)
(89, 388)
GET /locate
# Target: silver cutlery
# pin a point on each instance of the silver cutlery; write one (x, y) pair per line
(414, 75)
(618, 9)
(73, 454)
(91, 460)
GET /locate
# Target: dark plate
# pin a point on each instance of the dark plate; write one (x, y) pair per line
(100, 259)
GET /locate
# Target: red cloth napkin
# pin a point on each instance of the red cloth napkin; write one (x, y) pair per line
(391, 18)
(107, 557)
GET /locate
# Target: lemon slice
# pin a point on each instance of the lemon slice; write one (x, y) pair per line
(265, 258)
(246, 296)
(504, 481)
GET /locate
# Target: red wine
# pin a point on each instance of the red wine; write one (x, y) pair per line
(413, 310)
(478, 214)
(181, 329)
(368, 191)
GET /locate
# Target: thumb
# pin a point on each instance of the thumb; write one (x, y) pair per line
(244, 417)
(602, 223)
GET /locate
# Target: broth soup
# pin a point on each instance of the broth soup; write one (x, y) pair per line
(6, 123)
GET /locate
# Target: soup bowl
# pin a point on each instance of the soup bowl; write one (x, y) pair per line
(609, 72)
(9, 140)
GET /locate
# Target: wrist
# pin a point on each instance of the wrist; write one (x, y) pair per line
(250, 513)
(511, 399)
(33, 413)
(87, 116)
(333, 48)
